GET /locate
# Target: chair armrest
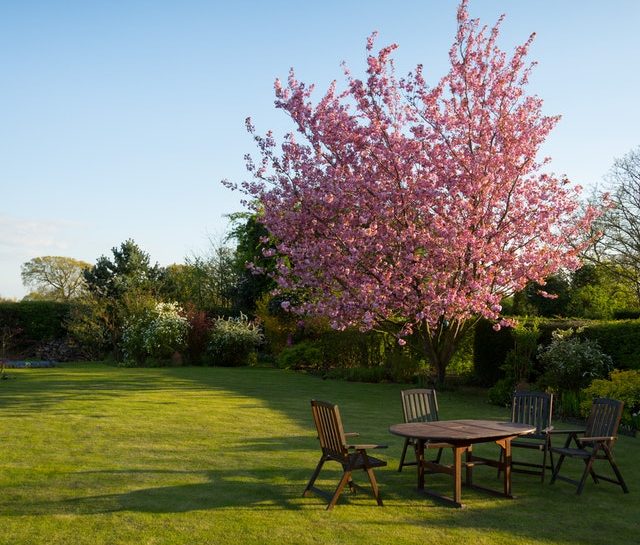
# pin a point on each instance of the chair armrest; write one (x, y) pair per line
(366, 447)
(554, 431)
(547, 430)
(571, 434)
(595, 439)
(351, 434)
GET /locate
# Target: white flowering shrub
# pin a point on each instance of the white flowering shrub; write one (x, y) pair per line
(571, 363)
(156, 333)
(234, 341)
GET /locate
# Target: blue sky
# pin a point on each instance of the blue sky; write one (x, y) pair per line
(118, 119)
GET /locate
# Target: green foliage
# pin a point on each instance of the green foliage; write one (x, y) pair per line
(278, 330)
(569, 402)
(355, 356)
(89, 325)
(532, 302)
(304, 355)
(254, 281)
(155, 331)
(35, 320)
(623, 386)
(129, 270)
(234, 341)
(597, 293)
(119, 288)
(571, 363)
(518, 362)
(55, 278)
(626, 314)
(207, 281)
(501, 392)
(619, 339)
(461, 363)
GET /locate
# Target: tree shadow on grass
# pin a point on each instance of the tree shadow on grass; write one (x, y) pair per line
(255, 490)
(271, 490)
(33, 391)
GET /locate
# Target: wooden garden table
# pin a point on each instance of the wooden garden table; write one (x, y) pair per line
(462, 435)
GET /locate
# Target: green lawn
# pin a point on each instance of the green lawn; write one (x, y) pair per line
(102, 455)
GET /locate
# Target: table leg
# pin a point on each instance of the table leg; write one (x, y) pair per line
(505, 464)
(469, 459)
(507, 467)
(457, 474)
(420, 460)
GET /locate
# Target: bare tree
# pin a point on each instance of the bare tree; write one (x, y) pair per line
(618, 247)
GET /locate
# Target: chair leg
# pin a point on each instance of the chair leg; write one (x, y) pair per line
(437, 460)
(614, 466)
(592, 472)
(374, 485)
(404, 453)
(345, 479)
(550, 455)
(587, 470)
(314, 476)
(557, 469)
(544, 462)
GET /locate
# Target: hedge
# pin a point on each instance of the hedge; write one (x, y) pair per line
(619, 339)
(490, 348)
(35, 320)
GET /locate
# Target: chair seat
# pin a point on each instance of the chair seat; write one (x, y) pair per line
(357, 461)
(572, 452)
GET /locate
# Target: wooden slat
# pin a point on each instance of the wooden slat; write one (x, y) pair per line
(419, 405)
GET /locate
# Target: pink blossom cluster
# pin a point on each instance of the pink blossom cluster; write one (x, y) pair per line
(396, 200)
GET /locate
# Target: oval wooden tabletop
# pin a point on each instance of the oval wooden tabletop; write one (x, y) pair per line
(463, 431)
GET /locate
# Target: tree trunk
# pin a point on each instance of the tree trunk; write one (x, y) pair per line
(441, 343)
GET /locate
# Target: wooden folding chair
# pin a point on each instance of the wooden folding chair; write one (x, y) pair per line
(335, 448)
(596, 443)
(419, 405)
(535, 409)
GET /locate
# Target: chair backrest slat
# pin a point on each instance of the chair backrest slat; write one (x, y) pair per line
(604, 418)
(329, 426)
(533, 408)
(419, 405)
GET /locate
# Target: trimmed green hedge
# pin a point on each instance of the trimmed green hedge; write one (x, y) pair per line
(619, 339)
(490, 348)
(36, 320)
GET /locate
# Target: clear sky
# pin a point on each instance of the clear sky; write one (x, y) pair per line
(119, 118)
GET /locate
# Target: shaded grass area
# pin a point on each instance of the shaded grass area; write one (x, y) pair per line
(103, 455)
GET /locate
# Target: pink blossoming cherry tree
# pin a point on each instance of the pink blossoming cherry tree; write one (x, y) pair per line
(400, 205)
